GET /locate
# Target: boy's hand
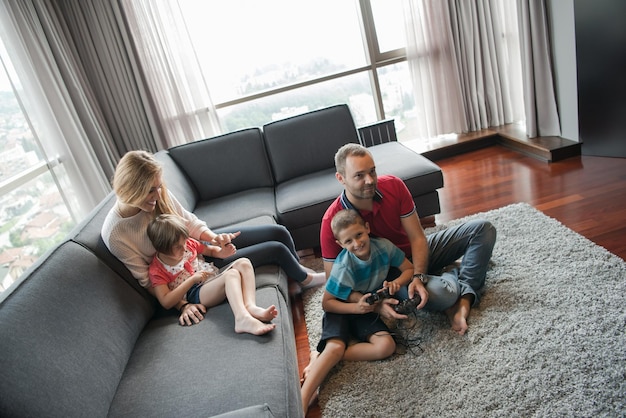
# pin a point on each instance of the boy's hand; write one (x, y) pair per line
(385, 309)
(363, 307)
(393, 286)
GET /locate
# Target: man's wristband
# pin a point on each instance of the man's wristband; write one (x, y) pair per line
(183, 306)
(422, 277)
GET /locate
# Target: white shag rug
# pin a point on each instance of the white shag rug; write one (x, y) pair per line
(547, 340)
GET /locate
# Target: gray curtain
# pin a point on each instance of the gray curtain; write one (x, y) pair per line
(542, 118)
(101, 48)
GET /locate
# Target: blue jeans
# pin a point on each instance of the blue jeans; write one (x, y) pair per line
(263, 245)
(474, 242)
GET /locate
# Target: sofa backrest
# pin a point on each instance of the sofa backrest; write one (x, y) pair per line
(307, 143)
(68, 328)
(177, 181)
(225, 164)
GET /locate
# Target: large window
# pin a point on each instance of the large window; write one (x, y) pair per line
(34, 215)
(267, 60)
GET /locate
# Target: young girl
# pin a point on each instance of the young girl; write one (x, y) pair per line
(178, 271)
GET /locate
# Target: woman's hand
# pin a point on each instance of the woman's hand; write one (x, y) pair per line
(226, 251)
(222, 240)
(192, 313)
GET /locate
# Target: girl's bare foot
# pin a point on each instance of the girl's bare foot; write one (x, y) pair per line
(264, 315)
(253, 326)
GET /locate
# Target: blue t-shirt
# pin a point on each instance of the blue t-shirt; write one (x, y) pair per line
(349, 273)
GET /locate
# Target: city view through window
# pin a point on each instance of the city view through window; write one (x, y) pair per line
(33, 214)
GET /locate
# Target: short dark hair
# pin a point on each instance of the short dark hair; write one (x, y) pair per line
(344, 218)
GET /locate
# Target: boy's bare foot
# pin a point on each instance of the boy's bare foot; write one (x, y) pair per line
(458, 314)
(312, 357)
(253, 326)
(307, 404)
(264, 315)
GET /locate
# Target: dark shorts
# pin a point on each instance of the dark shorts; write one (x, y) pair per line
(350, 327)
(193, 294)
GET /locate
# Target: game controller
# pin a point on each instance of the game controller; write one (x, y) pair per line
(376, 296)
(403, 307)
(407, 306)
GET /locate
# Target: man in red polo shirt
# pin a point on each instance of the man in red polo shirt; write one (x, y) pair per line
(386, 204)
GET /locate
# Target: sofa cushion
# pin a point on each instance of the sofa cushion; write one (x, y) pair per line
(304, 200)
(307, 143)
(261, 411)
(68, 329)
(226, 164)
(419, 173)
(223, 370)
(238, 208)
(87, 234)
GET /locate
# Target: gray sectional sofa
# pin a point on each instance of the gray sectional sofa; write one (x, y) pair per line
(79, 337)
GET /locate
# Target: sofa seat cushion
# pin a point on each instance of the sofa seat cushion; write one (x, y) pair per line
(208, 369)
(238, 208)
(68, 330)
(302, 201)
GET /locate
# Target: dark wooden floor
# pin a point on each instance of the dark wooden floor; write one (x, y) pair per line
(587, 194)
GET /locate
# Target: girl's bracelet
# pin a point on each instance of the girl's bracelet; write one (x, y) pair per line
(183, 307)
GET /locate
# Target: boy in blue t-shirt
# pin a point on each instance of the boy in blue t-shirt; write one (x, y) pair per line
(359, 270)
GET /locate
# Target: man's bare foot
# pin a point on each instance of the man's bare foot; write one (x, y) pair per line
(312, 357)
(458, 314)
(264, 315)
(251, 325)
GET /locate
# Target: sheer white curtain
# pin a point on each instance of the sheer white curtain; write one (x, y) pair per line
(176, 87)
(542, 117)
(47, 100)
(465, 65)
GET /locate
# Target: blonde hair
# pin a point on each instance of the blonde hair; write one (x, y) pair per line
(349, 150)
(165, 231)
(134, 177)
(345, 218)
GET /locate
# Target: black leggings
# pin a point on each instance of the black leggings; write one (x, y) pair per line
(263, 245)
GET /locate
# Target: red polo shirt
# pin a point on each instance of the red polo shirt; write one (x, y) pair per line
(392, 202)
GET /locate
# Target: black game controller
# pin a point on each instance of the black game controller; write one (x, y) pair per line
(404, 307)
(407, 306)
(376, 296)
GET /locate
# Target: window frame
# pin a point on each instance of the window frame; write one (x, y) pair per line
(375, 58)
